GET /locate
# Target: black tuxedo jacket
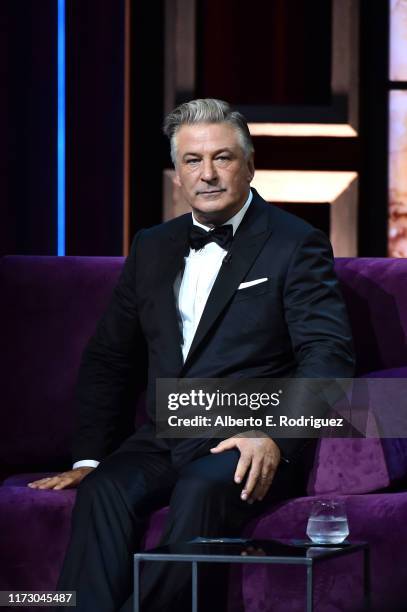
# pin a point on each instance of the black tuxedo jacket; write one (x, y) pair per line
(293, 325)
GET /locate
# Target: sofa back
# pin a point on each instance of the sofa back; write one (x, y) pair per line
(375, 291)
(49, 308)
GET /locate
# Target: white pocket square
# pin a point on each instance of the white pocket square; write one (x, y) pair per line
(251, 283)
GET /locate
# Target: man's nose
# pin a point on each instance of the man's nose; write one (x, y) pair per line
(209, 173)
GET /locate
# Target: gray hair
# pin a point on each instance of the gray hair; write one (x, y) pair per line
(206, 110)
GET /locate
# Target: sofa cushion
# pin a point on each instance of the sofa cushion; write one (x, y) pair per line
(35, 527)
(379, 519)
(35, 555)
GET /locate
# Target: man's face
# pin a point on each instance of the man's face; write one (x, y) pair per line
(211, 171)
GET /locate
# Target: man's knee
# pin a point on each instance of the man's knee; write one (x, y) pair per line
(108, 473)
(210, 476)
(94, 482)
(215, 468)
(106, 477)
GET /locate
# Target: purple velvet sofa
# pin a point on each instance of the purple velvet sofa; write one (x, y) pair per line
(49, 307)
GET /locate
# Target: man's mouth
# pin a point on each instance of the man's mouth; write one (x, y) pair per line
(209, 191)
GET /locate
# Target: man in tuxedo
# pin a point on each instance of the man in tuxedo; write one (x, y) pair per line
(237, 289)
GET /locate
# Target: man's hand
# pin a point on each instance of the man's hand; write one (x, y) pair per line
(65, 480)
(261, 455)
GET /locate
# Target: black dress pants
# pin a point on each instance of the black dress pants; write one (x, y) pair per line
(110, 515)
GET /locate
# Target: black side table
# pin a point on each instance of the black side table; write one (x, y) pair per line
(275, 552)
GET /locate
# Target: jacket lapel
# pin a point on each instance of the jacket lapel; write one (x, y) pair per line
(249, 239)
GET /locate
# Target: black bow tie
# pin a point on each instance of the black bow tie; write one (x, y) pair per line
(221, 234)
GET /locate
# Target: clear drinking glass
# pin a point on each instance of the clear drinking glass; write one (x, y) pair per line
(328, 523)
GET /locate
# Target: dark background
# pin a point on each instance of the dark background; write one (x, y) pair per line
(271, 53)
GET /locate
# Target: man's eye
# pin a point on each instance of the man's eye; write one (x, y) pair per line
(191, 162)
(223, 158)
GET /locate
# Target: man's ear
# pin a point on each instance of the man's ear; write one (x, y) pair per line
(250, 168)
(176, 180)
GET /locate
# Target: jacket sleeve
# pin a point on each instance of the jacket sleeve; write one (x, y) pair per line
(107, 374)
(318, 326)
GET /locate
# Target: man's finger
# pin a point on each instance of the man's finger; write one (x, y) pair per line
(63, 485)
(261, 488)
(224, 445)
(41, 480)
(47, 479)
(265, 481)
(242, 467)
(41, 483)
(49, 483)
(63, 480)
(252, 479)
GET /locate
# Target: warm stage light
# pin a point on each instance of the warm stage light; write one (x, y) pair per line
(398, 40)
(336, 130)
(302, 186)
(397, 174)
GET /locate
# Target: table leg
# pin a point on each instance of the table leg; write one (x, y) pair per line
(366, 578)
(310, 588)
(136, 581)
(194, 586)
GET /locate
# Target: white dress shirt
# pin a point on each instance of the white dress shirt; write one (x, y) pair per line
(200, 272)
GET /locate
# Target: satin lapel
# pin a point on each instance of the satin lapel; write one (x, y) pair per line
(247, 243)
(172, 256)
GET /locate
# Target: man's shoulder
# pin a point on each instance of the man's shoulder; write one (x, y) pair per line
(172, 226)
(168, 229)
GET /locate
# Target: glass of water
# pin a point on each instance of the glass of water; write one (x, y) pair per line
(328, 523)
